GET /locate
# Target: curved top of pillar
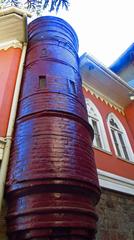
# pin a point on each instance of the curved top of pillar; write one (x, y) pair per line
(55, 28)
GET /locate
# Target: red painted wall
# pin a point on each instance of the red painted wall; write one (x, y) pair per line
(9, 63)
(129, 112)
(110, 162)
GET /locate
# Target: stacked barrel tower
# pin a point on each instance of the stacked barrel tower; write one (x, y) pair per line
(52, 185)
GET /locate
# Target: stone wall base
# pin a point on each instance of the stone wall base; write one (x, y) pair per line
(116, 216)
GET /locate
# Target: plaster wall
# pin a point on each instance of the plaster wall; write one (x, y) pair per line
(9, 63)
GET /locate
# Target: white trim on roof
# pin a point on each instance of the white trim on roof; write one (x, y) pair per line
(107, 71)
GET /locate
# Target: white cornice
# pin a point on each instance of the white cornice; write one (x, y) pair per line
(115, 182)
(105, 81)
(8, 44)
(9, 10)
(13, 25)
(107, 71)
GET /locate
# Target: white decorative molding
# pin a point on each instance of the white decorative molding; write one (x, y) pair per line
(103, 98)
(13, 22)
(2, 145)
(9, 10)
(103, 150)
(115, 182)
(8, 44)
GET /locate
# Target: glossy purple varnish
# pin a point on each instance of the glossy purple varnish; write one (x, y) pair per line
(52, 185)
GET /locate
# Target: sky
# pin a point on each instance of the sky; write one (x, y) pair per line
(105, 28)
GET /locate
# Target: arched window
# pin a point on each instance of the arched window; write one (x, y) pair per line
(95, 120)
(119, 138)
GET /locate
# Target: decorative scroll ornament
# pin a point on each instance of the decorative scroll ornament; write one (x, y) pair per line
(103, 99)
(10, 44)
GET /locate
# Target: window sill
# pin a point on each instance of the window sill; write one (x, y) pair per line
(110, 153)
(102, 150)
(125, 160)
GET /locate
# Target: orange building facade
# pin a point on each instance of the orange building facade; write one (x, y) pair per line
(107, 160)
(110, 111)
(9, 64)
(13, 44)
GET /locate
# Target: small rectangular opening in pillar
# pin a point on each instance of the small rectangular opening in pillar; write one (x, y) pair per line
(42, 81)
(72, 87)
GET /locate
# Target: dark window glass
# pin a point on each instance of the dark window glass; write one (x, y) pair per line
(113, 124)
(116, 142)
(123, 145)
(96, 133)
(72, 87)
(42, 82)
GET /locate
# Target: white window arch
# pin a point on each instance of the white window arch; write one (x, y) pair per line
(96, 121)
(119, 138)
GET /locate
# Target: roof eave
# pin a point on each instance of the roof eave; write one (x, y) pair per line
(111, 76)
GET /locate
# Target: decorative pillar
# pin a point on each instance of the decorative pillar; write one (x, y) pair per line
(52, 184)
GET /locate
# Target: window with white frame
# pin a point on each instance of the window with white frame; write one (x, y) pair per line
(96, 121)
(119, 138)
